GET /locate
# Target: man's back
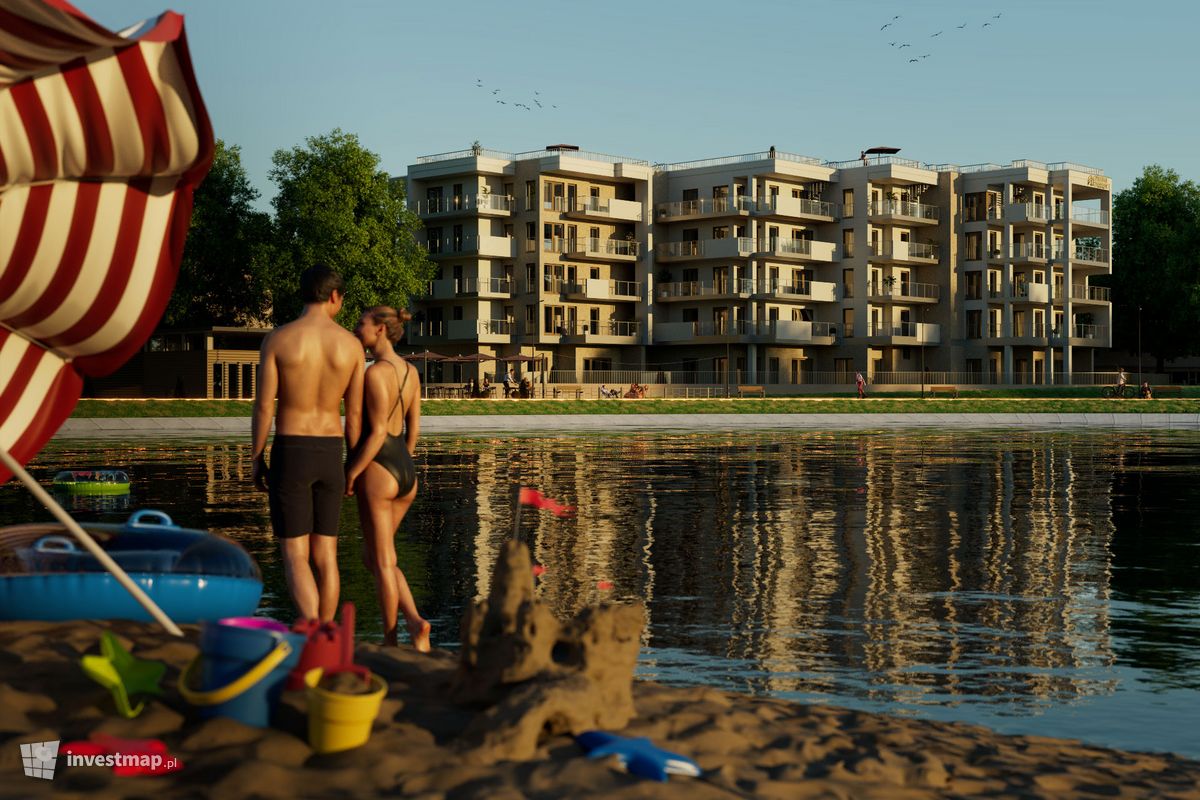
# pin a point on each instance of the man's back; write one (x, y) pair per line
(315, 359)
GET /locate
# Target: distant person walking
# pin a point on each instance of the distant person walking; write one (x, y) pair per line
(860, 383)
(311, 366)
(381, 471)
(1122, 380)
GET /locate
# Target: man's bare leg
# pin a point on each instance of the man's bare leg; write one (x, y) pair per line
(300, 581)
(324, 559)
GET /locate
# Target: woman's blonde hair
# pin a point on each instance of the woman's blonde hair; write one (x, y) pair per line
(391, 318)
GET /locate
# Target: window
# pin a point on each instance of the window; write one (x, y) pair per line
(595, 273)
(847, 283)
(847, 243)
(457, 192)
(974, 246)
(530, 278)
(597, 364)
(690, 195)
(594, 233)
(847, 202)
(691, 315)
(848, 323)
(720, 191)
(974, 324)
(690, 234)
(458, 238)
(843, 368)
(457, 312)
(691, 275)
(720, 232)
(974, 285)
(530, 195)
(530, 230)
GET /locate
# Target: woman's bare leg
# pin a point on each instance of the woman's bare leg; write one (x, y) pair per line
(374, 489)
(418, 628)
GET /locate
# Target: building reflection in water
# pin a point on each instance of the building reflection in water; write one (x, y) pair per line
(900, 568)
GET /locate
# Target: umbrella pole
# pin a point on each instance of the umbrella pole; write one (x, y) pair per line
(87, 541)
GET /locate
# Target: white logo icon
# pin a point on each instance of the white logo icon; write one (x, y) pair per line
(39, 759)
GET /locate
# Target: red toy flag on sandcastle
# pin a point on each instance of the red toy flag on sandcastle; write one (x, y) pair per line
(532, 497)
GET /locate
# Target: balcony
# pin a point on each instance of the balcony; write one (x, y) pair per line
(906, 252)
(903, 212)
(696, 209)
(485, 246)
(601, 289)
(783, 249)
(490, 205)
(1090, 294)
(1033, 253)
(603, 210)
(426, 332)
(1093, 256)
(452, 288)
(787, 332)
(1028, 213)
(1034, 334)
(594, 249)
(905, 333)
(814, 291)
(903, 292)
(1030, 293)
(795, 208)
(484, 331)
(611, 332)
(738, 289)
(1085, 336)
(1083, 216)
(739, 247)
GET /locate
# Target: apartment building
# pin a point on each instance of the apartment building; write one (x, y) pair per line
(766, 268)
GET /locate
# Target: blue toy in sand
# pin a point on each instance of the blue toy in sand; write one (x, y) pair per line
(638, 756)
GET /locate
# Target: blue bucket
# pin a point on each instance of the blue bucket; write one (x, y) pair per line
(243, 663)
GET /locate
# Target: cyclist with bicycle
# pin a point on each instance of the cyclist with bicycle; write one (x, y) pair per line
(1122, 379)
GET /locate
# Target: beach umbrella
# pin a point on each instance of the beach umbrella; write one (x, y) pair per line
(103, 138)
(425, 357)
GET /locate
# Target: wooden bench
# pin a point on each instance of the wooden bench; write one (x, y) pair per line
(1166, 391)
(743, 391)
(567, 389)
(950, 390)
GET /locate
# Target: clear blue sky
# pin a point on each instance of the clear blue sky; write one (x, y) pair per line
(1108, 83)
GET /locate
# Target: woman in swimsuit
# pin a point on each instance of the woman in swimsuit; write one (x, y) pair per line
(381, 470)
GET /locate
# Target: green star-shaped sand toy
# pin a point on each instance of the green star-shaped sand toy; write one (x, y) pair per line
(118, 671)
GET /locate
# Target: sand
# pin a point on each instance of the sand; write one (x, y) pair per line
(748, 747)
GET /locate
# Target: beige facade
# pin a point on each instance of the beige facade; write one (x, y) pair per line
(767, 268)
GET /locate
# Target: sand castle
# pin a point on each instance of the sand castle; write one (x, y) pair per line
(532, 676)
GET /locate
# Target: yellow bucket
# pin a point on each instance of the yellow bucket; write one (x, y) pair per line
(339, 721)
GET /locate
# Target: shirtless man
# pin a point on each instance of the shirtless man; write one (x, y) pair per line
(311, 365)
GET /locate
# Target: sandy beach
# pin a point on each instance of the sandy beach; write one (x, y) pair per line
(748, 747)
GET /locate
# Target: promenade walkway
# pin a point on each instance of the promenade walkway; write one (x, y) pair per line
(601, 423)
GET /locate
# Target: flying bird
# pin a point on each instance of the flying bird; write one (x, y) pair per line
(927, 55)
(986, 24)
(495, 91)
(901, 47)
(885, 25)
(501, 102)
(896, 17)
(939, 33)
(536, 103)
(913, 60)
(997, 16)
(891, 44)
(960, 27)
(553, 106)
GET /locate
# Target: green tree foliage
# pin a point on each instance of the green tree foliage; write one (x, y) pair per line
(1156, 257)
(335, 206)
(221, 276)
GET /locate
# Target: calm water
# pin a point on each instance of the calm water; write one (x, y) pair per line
(1032, 582)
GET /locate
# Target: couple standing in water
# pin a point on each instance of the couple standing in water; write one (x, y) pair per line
(312, 366)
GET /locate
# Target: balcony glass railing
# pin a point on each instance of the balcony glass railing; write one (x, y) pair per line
(902, 289)
(1084, 292)
(1034, 250)
(1096, 255)
(779, 244)
(1089, 215)
(795, 206)
(706, 289)
(922, 331)
(905, 250)
(611, 328)
(1098, 332)
(714, 205)
(1033, 212)
(445, 205)
(500, 327)
(904, 208)
(625, 288)
(610, 247)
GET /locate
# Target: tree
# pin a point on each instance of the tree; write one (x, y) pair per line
(227, 251)
(1156, 257)
(335, 206)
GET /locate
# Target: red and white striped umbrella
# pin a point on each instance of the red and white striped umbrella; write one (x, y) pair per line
(103, 137)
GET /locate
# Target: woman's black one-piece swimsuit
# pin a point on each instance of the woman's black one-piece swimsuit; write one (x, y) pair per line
(393, 455)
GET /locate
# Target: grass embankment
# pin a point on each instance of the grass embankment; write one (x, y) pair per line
(967, 404)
